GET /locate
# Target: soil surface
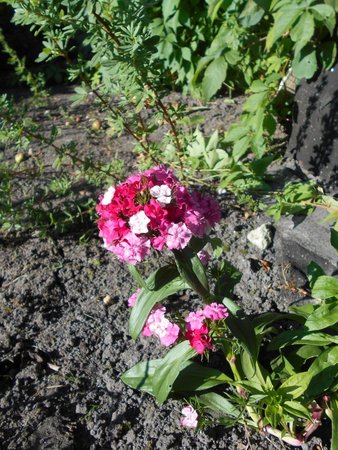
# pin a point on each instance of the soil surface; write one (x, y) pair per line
(63, 348)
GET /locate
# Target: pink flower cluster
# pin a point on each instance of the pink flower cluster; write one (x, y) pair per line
(151, 209)
(197, 330)
(158, 325)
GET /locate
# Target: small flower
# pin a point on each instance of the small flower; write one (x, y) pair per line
(132, 299)
(215, 311)
(158, 325)
(161, 193)
(108, 196)
(190, 417)
(138, 223)
(200, 339)
(178, 236)
(194, 320)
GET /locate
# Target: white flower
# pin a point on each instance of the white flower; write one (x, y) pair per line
(108, 196)
(138, 223)
(161, 193)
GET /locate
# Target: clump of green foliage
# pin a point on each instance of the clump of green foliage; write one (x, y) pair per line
(127, 54)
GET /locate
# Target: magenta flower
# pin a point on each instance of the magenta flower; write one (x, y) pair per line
(189, 418)
(200, 339)
(204, 257)
(152, 210)
(215, 311)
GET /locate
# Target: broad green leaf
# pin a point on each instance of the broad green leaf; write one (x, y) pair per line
(140, 376)
(258, 86)
(263, 320)
(192, 271)
(295, 386)
(163, 282)
(168, 369)
(304, 64)
(260, 165)
(327, 14)
(306, 352)
(334, 238)
(251, 14)
(325, 287)
(241, 327)
(303, 31)
(214, 77)
(194, 377)
(301, 337)
(323, 317)
(219, 404)
(303, 310)
(241, 147)
(254, 372)
(283, 21)
(296, 409)
(255, 101)
(235, 132)
(324, 371)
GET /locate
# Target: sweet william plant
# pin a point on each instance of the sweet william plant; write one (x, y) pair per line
(277, 382)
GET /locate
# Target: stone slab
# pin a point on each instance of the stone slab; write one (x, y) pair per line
(300, 240)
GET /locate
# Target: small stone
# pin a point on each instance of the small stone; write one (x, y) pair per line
(96, 125)
(107, 300)
(19, 157)
(261, 237)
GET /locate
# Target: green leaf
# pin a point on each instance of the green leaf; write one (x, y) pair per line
(168, 369)
(295, 386)
(214, 77)
(283, 21)
(328, 54)
(304, 64)
(324, 371)
(241, 147)
(263, 320)
(163, 282)
(140, 376)
(303, 31)
(241, 327)
(192, 271)
(323, 317)
(137, 276)
(194, 377)
(303, 310)
(325, 287)
(214, 6)
(334, 418)
(251, 14)
(235, 132)
(219, 404)
(314, 271)
(326, 14)
(301, 337)
(254, 372)
(334, 238)
(274, 414)
(296, 409)
(255, 101)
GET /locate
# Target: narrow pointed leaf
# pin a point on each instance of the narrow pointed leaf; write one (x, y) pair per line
(323, 317)
(325, 287)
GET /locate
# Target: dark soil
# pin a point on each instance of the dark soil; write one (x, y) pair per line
(63, 349)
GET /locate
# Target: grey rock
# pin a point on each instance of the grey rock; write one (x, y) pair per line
(300, 240)
(261, 237)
